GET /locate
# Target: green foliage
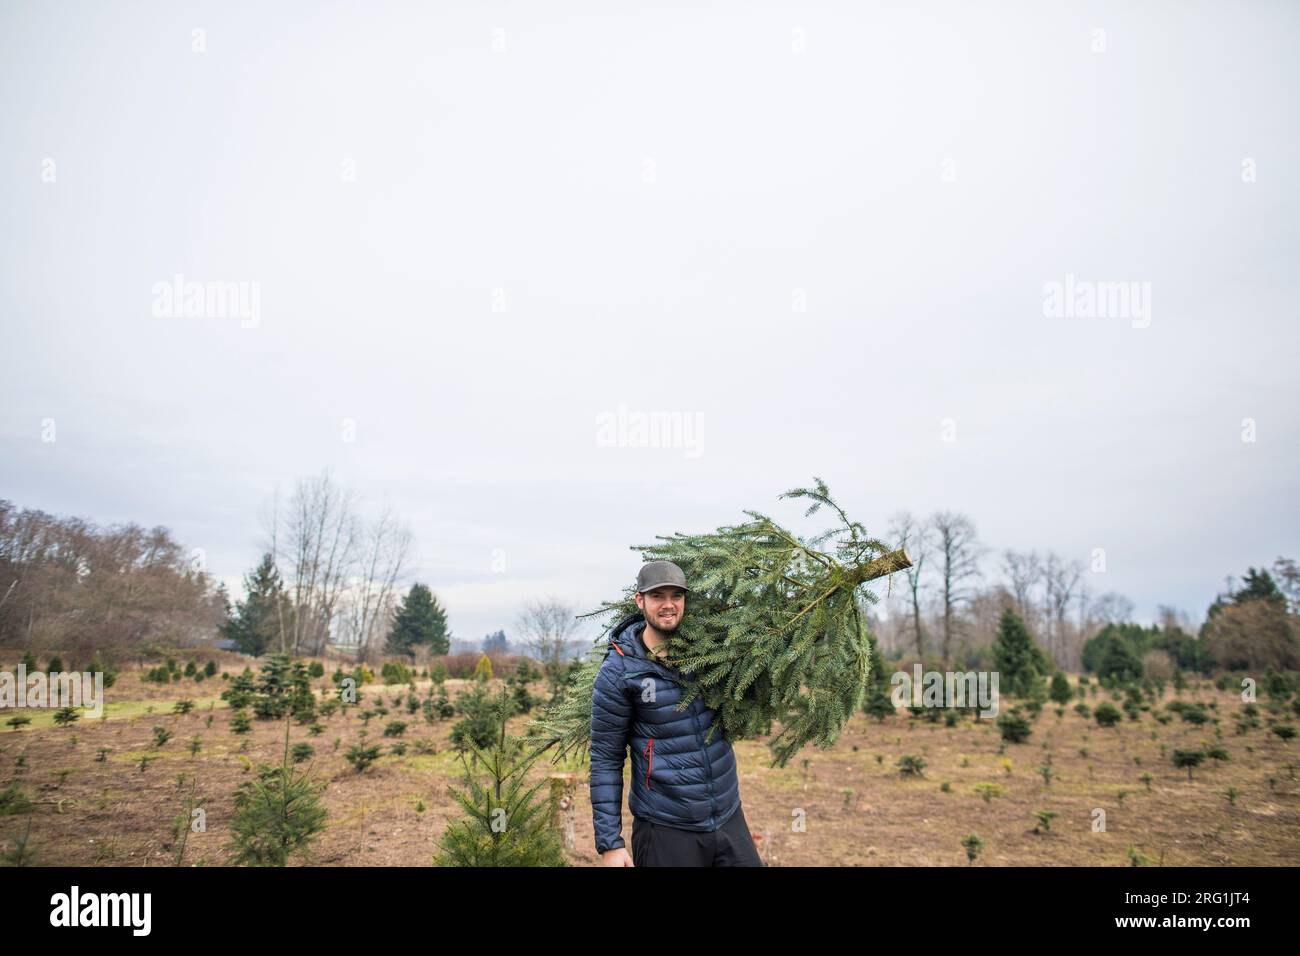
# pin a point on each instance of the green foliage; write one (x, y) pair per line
(1014, 728)
(1192, 713)
(1115, 652)
(241, 690)
(302, 702)
(1188, 759)
(157, 675)
(1061, 691)
(505, 824)
(519, 694)
(420, 621)
(526, 672)
(1107, 714)
(395, 672)
(878, 701)
(481, 715)
(1021, 663)
(443, 706)
(66, 715)
(1256, 586)
(14, 801)
(987, 791)
(272, 700)
(239, 722)
(361, 757)
(773, 631)
(96, 666)
(277, 814)
(910, 765)
(256, 623)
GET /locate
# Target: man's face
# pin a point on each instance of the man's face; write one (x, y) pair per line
(663, 607)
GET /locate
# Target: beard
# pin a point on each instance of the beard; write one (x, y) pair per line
(666, 628)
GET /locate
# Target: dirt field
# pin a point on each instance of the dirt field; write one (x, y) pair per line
(842, 807)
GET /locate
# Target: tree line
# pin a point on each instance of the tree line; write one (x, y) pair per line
(953, 598)
(331, 573)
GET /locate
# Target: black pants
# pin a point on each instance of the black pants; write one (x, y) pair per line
(654, 844)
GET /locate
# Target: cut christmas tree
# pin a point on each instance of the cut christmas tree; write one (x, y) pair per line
(772, 631)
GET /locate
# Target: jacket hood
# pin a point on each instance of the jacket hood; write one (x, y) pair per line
(627, 635)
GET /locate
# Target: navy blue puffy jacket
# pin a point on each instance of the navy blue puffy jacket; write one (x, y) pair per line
(677, 779)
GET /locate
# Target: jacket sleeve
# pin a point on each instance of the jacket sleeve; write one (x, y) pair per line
(611, 718)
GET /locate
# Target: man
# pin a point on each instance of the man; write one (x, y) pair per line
(685, 798)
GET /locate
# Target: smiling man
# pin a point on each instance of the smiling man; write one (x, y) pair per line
(685, 798)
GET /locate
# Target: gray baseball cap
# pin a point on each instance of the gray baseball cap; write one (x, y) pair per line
(657, 574)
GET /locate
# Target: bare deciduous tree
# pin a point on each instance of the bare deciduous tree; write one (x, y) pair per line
(547, 627)
(1172, 618)
(1111, 608)
(913, 536)
(1287, 576)
(69, 586)
(373, 598)
(1023, 569)
(316, 547)
(957, 553)
(1060, 578)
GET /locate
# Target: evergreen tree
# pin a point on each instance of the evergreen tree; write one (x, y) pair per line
(1061, 691)
(1117, 650)
(506, 825)
(1258, 586)
(274, 696)
(1019, 661)
(772, 631)
(1252, 627)
(1119, 661)
(496, 643)
(276, 814)
(879, 703)
(419, 620)
(255, 625)
(481, 713)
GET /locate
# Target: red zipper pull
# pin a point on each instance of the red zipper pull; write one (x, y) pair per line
(650, 753)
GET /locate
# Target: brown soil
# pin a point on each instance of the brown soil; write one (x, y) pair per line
(845, 806)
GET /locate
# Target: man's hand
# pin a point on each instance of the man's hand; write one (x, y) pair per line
(616, 857)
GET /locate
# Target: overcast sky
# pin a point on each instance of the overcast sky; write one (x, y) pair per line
(825, 235)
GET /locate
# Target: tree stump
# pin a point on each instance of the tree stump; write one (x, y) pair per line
(564, 788)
